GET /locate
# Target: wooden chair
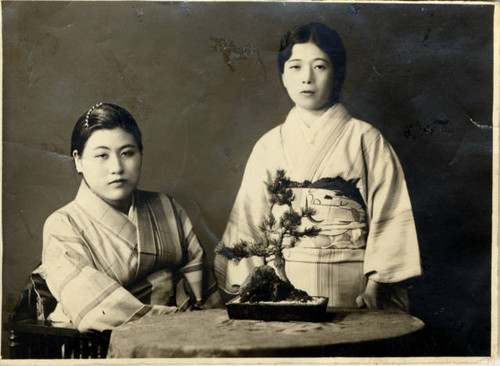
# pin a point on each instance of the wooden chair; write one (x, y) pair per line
(32, 336)
(36, 339)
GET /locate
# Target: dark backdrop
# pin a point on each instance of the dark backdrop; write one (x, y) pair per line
(202, 81)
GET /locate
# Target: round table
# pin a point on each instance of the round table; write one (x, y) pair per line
(210, 333)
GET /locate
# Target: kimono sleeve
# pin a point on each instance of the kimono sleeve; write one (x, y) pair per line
(249, 209)
(392, 252)
(90, 298)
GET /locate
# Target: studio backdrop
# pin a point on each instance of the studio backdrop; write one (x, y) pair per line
(202, 81)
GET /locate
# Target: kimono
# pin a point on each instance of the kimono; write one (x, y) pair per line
(105, 268)
(348, 173)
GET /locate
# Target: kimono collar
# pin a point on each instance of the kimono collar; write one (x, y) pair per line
(333, 118)
(305, 147)
(104, 213)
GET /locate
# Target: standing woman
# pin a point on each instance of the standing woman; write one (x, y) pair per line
(116, 253)
(345, 170)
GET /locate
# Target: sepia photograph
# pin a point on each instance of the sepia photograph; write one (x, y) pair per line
(268, 181)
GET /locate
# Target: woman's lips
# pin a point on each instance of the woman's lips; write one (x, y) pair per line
(118, 181)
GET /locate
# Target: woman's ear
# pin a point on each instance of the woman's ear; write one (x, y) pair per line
(78, 161)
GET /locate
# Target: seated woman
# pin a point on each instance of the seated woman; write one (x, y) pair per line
(116, 253)
(341, 167)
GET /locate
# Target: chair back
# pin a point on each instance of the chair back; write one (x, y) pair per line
(32, 336)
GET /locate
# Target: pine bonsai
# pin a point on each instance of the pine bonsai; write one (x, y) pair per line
(277, 234)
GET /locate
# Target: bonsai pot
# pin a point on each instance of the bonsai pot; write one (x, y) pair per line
(313, 310)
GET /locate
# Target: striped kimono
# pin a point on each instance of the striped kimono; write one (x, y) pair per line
(367, 226)
(105, 268)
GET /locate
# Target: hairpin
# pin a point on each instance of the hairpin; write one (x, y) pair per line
(87, 116)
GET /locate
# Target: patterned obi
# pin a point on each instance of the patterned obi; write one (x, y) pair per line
(342, 220)
(330, 264)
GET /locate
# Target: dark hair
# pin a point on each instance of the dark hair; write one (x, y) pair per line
(327, 40)
(103, 116)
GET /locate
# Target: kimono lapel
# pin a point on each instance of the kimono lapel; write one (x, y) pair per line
(306, 147)
(107, 215)
(145, 235)
(158, 235)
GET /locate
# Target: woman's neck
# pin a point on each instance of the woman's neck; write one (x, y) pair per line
(123, 205)
(310, 116)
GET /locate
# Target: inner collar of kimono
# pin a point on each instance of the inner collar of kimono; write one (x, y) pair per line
(132, 211)
(331, 121)
(336, 114)
(101, 210)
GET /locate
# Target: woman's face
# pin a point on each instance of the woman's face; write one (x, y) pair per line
(111, 165)
(308, 77)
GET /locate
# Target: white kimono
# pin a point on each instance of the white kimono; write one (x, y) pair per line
(372, 236)
(105, 268)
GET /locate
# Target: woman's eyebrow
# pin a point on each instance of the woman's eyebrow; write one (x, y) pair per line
(120, 148)
(127, 146)
(316, 59)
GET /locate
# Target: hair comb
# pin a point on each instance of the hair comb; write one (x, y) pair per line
(87, 116)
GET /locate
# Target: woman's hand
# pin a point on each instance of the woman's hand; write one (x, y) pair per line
(198, 305)
(369, 298)
(161, 310)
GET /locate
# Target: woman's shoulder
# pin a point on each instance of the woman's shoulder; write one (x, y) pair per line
(269, 140)
(365, 128)
(368, 134)
(63, 215)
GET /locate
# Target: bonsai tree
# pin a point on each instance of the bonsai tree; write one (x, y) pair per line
(277, 234)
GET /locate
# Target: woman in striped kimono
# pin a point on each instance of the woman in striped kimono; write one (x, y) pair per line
(116, 253)
(344, 169)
